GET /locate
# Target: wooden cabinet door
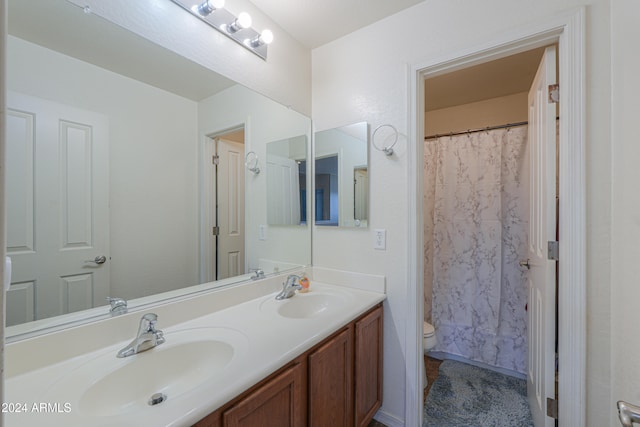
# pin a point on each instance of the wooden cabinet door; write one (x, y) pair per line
(281, 402)
(331, 382)
(211, 420)
(368, 367)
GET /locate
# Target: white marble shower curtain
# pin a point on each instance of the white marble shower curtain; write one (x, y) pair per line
(476, 221)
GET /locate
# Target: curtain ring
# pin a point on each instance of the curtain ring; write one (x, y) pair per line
(388, 150)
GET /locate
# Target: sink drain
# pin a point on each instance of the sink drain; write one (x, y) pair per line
(157, 399)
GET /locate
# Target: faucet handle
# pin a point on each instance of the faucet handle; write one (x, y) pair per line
(259, 273)
(292, 279)
(118, 305)
(148, 322)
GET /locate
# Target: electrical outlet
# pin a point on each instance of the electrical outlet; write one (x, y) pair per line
(262, 232)
(380, 239)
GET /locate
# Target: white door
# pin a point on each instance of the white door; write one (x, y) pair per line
(57, 208)
(283, 191)
(230, 182)
(542, 229)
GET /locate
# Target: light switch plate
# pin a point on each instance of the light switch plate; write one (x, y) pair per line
(380, 239)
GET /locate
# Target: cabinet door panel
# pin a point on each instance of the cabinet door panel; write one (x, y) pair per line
(368, 367)
(331, 382)
(279, 403)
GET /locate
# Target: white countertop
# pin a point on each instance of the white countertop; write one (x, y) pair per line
(264, 342)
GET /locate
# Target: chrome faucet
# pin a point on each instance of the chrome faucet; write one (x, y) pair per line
(289, 287)
(148, 337)
(259, 273)
(118, 306)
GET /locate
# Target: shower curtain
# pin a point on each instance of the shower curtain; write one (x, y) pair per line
(476, 222)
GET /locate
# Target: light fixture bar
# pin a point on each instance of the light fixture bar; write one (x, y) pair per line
(228, 24)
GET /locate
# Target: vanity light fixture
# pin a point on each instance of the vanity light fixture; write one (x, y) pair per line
(239, 29)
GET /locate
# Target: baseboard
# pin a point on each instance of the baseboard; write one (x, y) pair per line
(388, 419)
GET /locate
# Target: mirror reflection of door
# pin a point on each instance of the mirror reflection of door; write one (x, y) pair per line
(57, 208)
(226, 241)
(360, 194)
(287, 181)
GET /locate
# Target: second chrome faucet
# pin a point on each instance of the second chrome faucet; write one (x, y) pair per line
(146, 338)
(289, 287)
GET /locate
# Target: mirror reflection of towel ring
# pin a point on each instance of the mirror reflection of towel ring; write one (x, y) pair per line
(251, 162)
(388, 150)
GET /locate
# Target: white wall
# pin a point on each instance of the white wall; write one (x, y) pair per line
(285, 76)
(265, 121)
(625, 233)
(153, 158)
(375, 89)
(481, 114)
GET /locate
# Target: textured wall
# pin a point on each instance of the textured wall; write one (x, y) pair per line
(364, 76)
(625, 233)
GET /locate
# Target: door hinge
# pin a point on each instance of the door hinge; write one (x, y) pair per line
(554, 93)
(216, 231)
(552, 408)
(215, 159)
(553, 251)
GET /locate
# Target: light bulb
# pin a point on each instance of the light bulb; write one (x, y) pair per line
(266, 36)
(208, 6)
(241, 22)
(244, 20)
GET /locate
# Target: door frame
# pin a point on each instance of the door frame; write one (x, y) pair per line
(568, 31)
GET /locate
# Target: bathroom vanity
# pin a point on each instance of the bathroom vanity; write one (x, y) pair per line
(230, 356)
(338, 382)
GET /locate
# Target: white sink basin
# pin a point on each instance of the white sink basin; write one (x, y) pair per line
(306, 305)
(108, 386)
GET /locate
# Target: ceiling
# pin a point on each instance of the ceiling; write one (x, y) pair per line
(502, 77)
(314, 23)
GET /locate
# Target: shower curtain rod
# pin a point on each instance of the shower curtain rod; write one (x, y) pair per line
(508, 125)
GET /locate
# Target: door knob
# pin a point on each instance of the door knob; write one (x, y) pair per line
(525, 264)
(100, 259)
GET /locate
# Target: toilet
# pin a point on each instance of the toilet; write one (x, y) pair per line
(428, 337)
(428, 343)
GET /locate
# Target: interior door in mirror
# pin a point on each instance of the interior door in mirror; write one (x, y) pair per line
(341, 189)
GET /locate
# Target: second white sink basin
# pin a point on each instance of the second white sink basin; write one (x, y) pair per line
(306, 305)
(108, 386)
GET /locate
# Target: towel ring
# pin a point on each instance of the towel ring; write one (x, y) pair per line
(388, 150)
(251, 162)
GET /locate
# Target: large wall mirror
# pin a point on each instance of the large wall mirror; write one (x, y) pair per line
(341, 190)
(126, 172)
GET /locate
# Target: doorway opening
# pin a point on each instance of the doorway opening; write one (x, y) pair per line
(481, 219)
(568, 32)
(223, 248)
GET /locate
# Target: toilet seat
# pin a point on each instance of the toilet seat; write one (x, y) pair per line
(428, 330)
(428, 337)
